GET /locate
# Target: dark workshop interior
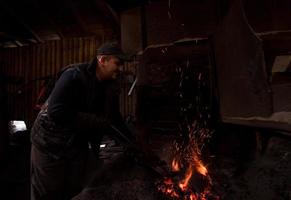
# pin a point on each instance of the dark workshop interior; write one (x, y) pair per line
(208, 91)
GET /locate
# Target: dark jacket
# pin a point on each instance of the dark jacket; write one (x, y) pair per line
(79, 109)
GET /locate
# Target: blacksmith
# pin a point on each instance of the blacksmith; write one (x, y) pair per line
(81, 107)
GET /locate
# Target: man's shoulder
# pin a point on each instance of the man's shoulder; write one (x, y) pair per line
(77, 66)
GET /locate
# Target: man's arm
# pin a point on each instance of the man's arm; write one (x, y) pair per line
(117, 122)
(64, 101)
(60, 102)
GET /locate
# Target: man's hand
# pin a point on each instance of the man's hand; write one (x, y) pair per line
(91, 121)
(149, 159)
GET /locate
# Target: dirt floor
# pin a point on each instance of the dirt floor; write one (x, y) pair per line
(265, 176)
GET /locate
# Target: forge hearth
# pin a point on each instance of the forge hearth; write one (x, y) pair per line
(266, 176)
(121, 178)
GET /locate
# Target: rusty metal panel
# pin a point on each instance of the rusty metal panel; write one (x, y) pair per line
(241, 76)
(168, 21)
(131, 30)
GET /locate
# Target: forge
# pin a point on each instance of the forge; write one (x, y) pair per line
(122, 176)
(174, 120)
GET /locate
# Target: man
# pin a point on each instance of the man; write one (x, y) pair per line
(81, 107)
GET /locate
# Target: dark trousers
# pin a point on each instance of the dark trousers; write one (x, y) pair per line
(56, 179)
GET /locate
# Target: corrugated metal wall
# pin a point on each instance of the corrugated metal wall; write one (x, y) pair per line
(32, 64)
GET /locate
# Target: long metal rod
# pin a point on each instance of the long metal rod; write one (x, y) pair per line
(132, 87)
(122, 135)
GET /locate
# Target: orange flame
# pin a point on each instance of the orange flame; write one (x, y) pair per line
(201, 168)
(184, 183)
(175, 165)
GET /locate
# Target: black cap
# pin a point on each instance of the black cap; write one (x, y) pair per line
(113, 49)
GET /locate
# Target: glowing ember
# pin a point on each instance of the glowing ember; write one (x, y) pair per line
(168, 188)
(201, 168)
(192, 197)
(184, 183)
(175, 166)
(168, 181)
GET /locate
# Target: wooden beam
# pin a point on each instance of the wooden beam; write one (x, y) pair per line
(105, 9)
(273, 33)
(18, 43)
(77, 16)
(48, 18)
(10, 37)
(20, 20)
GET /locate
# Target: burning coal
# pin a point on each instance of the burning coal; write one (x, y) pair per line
(190, 179)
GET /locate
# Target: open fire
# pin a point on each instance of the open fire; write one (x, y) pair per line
(190, 179)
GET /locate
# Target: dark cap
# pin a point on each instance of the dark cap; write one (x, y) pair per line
(112, 49)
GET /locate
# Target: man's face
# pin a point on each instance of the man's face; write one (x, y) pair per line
(112, 67)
